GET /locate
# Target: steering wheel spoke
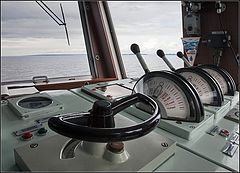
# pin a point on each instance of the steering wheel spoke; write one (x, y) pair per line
(76, 118)
(98, 125)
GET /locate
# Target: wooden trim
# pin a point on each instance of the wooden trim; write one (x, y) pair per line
(87, 38)
(114, 39)
(70, 85)
(100, 43)
(210, 22)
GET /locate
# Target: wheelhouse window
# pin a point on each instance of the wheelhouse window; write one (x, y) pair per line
(153, 26)
(33, 44)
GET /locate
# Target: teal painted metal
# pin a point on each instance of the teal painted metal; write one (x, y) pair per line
(200, 143)
(201, 152)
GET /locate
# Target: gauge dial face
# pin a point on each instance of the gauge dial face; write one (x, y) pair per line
(35, 102)
(219, 78)
(168, 93)
(201, 85)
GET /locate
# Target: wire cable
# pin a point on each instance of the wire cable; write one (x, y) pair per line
(229, 43)
(55, 17)
(48, 13)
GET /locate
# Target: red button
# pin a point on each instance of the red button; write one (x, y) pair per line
(224, 132)
(27, 136)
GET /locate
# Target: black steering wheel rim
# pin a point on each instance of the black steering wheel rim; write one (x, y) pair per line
(93, 134)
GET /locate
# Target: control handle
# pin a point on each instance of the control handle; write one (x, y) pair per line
(136, 50)
(98, 124)
(181, 55)
(161, 54)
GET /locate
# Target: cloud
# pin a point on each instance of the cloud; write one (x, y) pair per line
(152, 25)
(26, 19)
(26, 28)
(14, 10)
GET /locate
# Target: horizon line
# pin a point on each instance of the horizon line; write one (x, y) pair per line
(55, 54)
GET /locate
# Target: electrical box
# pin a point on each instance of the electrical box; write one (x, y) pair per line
(192, 24)
(218, 39)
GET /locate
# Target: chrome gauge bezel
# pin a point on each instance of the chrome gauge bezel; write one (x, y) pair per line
(194, 102)
(216, 89)
(228, 78)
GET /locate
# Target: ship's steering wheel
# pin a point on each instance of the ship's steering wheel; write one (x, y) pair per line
(98, 124)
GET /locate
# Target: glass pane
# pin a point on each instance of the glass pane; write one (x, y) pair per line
(33, 44)
(152, 25)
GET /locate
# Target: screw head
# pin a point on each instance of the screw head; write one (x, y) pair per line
(164, 144)
(34, 145)
(179, 122)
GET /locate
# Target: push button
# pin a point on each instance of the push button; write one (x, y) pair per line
(224, 133)
(27, 136)
(42, 132)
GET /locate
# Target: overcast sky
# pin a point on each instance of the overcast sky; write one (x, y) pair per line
(27, 29)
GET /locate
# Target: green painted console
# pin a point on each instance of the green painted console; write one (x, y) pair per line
(173, 146)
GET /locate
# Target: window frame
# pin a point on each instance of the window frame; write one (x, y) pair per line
(103, 53)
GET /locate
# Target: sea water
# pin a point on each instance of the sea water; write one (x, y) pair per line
(62, 65)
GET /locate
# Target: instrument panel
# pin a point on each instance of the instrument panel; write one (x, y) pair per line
(179, 99)
(204, 90)
(206, 86)
(224, 79)
(169, 94)
(39, 145)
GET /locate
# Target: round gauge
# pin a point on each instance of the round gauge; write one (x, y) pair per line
(207, 87)
(219, 79)
(169, 94)
(201, 85)
(35, 102)
(224, 79)
(176, 96)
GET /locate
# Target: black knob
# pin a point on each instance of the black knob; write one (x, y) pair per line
(180, 54)
(160, 53)
(135, 48)
(101, 115)
(101, 108)
(190, 28)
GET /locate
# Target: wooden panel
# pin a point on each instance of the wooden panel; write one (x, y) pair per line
(100, 42)
(210, 22)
